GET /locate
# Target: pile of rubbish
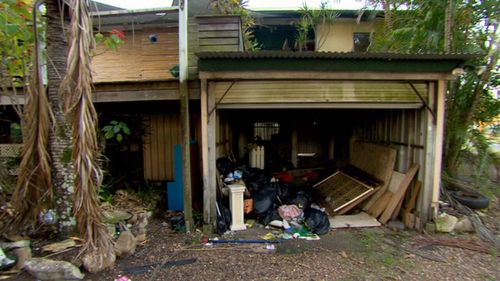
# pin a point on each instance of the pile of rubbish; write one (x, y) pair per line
(280, 200)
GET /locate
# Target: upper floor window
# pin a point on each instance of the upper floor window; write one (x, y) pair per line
(283, 37)
(361, 41)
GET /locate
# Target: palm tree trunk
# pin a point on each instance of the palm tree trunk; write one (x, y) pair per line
(60, 135)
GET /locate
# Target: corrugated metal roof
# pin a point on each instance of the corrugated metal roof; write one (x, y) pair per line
(332, 55)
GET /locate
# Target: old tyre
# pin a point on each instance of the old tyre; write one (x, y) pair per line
(471, 199)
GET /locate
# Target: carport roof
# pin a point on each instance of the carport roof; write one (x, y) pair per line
(330, 61)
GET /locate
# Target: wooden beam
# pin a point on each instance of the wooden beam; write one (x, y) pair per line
(399, 194)
(184, 101)
(204, 154)
(212, 151)
(311, 105)
(323, 75)
(438, 145)
(425, 200)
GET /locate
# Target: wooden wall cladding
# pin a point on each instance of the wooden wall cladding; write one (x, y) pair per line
(163, 131)
(137, 59)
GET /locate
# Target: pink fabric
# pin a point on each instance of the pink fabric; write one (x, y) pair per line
(288, 212)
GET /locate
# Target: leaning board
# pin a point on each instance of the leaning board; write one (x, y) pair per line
(339, 191)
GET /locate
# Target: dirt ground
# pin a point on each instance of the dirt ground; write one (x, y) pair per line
(354, 254)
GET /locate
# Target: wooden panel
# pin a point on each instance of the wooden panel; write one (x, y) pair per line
(137, 58)
(218, 41)
(399, 194)
(162, 133)
(376, 160)
(284, 91)
(339, 190)
(218, 26)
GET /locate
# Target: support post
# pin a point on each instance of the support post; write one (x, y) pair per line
(184, 104)
(212, 151)
(204, 153)
(438, 145)
(430, 158)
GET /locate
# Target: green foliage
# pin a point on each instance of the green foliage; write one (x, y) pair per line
(420, 28)
(111, 40)
(310, 19)
(16, 42)
(116, 130)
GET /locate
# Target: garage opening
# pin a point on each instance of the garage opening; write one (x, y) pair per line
(301, 149)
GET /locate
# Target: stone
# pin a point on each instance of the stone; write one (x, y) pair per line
(125, 244)
(14, 245)
(464, 225)
(22, 255)
(396, 225)
(141, 224)
(133, 219)
(115, 216)
(111, 229)
(141, 237)
(46, 269)
(430, 227)
(59, 246)
(445, 222)
(93, 262)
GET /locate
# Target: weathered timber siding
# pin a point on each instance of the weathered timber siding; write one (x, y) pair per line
(137, 59)
(242, 92)
(212, 33)
(162, 133)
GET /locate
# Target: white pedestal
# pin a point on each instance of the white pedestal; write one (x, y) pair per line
(236, 204)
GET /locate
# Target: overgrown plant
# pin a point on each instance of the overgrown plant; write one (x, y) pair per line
(310, 20)
(76, 90)
(459, 27)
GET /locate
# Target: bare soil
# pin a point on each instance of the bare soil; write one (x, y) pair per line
(353, 254)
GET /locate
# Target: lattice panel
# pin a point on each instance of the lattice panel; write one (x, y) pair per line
(339, 190)
(10, 150)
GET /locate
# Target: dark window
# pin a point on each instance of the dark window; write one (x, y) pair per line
(281, 37)
(361, 41)
(265, 130)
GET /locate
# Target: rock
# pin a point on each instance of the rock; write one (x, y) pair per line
(111, 229)
(430, 227)
(22, 255)
(133, 219)
(141, 224)
(46, 269)
(445, 223)
(59, 246)
(125, 245)
(94, 262)
(141, 237)
(14, 245)
(396, 225)
(116, 216)
(464, 225)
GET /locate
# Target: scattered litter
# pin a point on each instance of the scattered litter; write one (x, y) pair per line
(123, 278)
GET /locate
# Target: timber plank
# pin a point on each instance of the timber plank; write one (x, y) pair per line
(399, 194)
(379, 206)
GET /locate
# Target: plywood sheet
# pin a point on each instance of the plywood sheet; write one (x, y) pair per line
(340, 190)
(351, 221)
(376, 160)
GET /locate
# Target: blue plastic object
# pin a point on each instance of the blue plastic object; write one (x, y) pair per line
(175, 189)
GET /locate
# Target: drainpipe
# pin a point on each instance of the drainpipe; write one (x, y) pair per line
(184, 103)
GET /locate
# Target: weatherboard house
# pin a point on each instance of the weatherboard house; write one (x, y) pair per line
(312, 104)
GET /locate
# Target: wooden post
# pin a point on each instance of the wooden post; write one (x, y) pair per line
(430, 158)
(184, 102)
(212, 150)
(204, 153)
(438, 145)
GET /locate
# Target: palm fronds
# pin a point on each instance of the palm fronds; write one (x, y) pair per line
(34, 187)
(76, 91)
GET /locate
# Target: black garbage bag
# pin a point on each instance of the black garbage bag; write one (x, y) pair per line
(302, 199)
(223, 219)
(317, 221)
(224, 165)
(271, 215)
(263, 198)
